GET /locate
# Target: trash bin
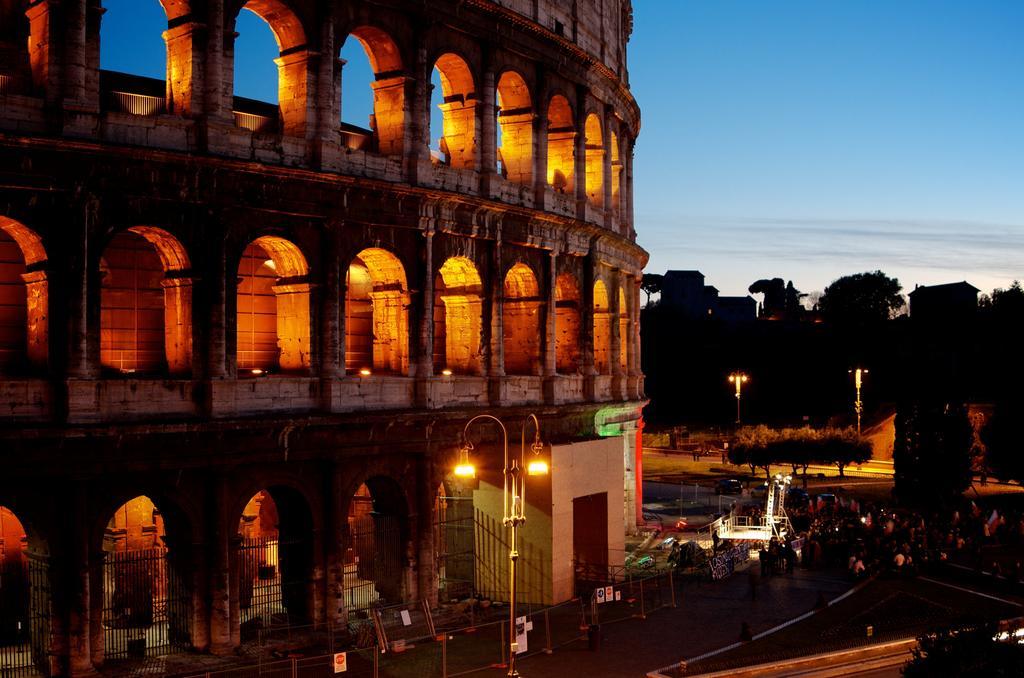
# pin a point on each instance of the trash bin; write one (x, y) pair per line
(594, 637)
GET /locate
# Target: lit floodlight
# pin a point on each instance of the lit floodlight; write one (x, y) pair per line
(465, 471)
(538, 467)
(446, 373)
(365, 372)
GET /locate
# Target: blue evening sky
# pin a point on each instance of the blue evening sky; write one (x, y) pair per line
(802, 139)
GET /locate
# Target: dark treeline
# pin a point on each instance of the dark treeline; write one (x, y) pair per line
(799, 363)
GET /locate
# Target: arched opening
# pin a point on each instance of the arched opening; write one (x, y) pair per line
(454, 96)
(133, 57)
(561, 145)
(595, 161)
(602, 329)
(147, 600)
(261, 21)
(145, 303)
(623, 329)
(376, 313)
(617, 167)
(376, 560)
(455, 541)
(373, 58)
(567, 324)
(15, 64)
(515, 129)
(24, 601)
(521, 321)
(275, 561)
(273, 326)
(458, 319)
(24, 300)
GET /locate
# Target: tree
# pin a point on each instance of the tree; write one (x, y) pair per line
(862, 298)
(1002, 435)
(932, 452)
(762, 447)
(974, 652)
(651, 283)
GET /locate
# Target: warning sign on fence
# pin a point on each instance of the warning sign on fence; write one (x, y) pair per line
(599, 593)
(340, 662)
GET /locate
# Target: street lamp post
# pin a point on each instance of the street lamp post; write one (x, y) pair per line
(738, 378)
(514, 502)
(858, 405)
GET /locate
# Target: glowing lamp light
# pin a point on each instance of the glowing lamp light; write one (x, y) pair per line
(365, 372)
(538, 467)
(465, 471)
(256, 371)
(446, 373)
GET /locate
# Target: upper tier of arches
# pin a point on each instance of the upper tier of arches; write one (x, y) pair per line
(537, 131)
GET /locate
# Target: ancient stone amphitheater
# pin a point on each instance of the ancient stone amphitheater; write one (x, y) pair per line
(239, 340)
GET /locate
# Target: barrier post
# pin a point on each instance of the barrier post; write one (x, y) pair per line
(643, 603)
(672, 587)
(501, 635)
(547, 632)
(376, 662)
(295, 668)
(444, 655)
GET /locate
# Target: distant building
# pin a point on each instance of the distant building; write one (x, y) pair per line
(943, 302)
(685, 291)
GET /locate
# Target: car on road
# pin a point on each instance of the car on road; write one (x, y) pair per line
(728, 486)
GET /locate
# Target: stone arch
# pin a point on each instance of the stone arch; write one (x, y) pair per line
(561, 145)
(567, 324)
(521, 321)
(276, 559)
(617, 168)
(515, 128)
(294, 76)
(594, 160)
(24, 299)
(460, 126)
(376, 313)
(145, 303)
(273, 307)
(376, 562)
(24, 598)
(145, 604)
(389, 105)
(458, 317)
(602, 329)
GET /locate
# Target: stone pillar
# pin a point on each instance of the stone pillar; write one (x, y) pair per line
(425, 332)
(45, 51)
(216, 358)
(417, 120)
(426, 575)
(540, 142)
(550, 333)
(335, 539)
(75, 49)
(186, 51)
(79, 364)
(587, 325)
(293, 325)
(391, 113)
(327, 95)
(615, 335)
(496, 302)
(332, 360)
(216, 96)
(296, 78)
(82, 628)
(606, 168)
(178, 324)
(221, 538)
(488, 131)
(580, 153)
(627, 188)
(37, 304)
(635, 367)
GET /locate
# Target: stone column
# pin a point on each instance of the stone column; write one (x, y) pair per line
(496, 302)
(37, 304)
(580, 153)
(178, 323)
(327, 120)
(540, 141)
(334, 547)
(82, 628)
(216, 95)
(293, 325)
(606, 168)
(615, 334)
(627, 187)
(417, 121)
(79, 363)
(75, 49)
(426, 575)
(587, 324)
(46, 51)
(186, 51)
(488, 130)
(216, 358)
(550, 331)
(296, 78)
(221, 537)
(425, 332)
(332, 361)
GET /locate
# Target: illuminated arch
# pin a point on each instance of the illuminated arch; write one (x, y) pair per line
(388, 122)
(567, 324)
(273, 313)
(458, 320)
(458, 139)
(376, 313)
(24, 298)
(561, 145)
(275, 559)
(617, 168)
(378, 531)
(594, 160)
(515, 125)
(25, 644)
(521, 321)
(145, 303)
(602, 329)
(144, 584)
(292, 69)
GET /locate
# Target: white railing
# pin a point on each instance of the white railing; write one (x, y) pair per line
(254, 123)
(6, 84)
(137, 104)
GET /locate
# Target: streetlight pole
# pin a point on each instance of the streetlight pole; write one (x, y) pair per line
(858, 405)
(738, 378)
(513, 504)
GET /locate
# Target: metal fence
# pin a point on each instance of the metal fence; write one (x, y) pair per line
(24, 616)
